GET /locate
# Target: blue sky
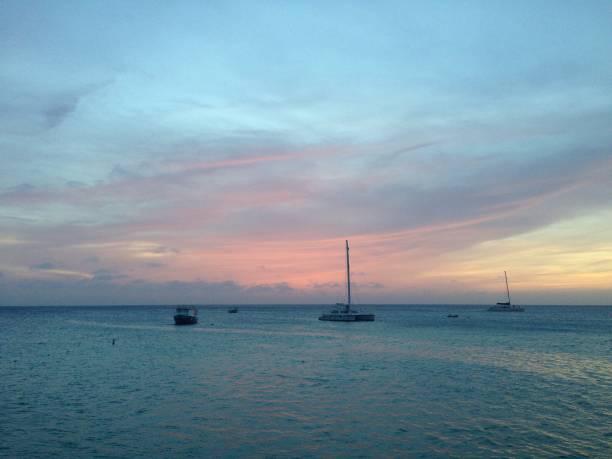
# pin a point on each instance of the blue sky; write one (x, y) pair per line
(228, 148)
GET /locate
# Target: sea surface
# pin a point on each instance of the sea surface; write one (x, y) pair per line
(273, 381)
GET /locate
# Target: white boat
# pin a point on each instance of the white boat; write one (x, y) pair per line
(506, 306)
(343, 311)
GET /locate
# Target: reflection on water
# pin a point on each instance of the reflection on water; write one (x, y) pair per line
(276, 382)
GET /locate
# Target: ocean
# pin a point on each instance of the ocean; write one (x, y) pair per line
(273, 381)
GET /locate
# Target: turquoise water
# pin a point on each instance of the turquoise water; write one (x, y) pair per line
(273, 381)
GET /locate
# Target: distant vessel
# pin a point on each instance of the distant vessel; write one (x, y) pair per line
(453, 316)
(233, 310)
(506, 306)
(343, 312)
(186, 315)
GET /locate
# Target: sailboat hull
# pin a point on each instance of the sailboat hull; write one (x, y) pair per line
(365, 318)
(506, 308)
(338, 317)
(347, 317)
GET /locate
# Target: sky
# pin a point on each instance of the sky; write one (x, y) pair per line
(222, 152)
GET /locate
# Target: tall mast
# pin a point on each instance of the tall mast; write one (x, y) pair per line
(507, 289)
(348, 276)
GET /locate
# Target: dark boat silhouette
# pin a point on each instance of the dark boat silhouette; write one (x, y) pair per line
(186, 315)
(506, 306)
(343, 312)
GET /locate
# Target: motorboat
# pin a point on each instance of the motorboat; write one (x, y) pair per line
(186, 315)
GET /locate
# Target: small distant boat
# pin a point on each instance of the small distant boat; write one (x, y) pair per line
(506, 306)
(453, 316)
(343, 312)
(233, 310)
(186, 315)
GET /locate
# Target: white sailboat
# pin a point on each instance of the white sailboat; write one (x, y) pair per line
(506, 306)
(343, 312)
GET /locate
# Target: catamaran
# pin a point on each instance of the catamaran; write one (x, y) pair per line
(506, 306)
(343, 311)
